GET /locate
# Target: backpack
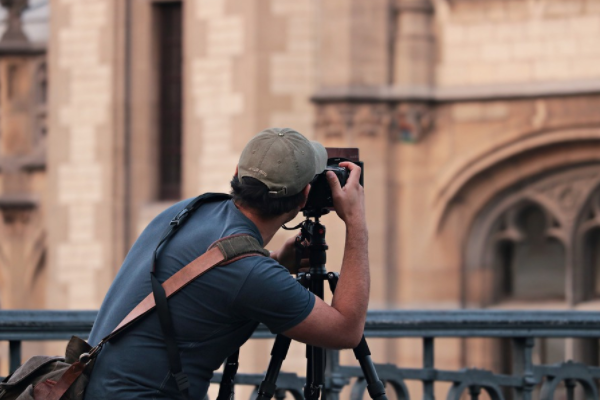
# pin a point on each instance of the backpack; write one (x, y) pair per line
(55, 378)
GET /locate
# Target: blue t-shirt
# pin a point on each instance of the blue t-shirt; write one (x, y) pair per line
(213, 316)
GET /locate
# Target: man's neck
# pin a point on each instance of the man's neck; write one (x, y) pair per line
(266, 226)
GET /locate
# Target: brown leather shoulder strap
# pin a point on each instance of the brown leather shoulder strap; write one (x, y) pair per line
(223, 251)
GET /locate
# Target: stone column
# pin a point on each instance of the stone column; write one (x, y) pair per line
(83, 152)
(354, 73)
(414, 52)
(22, 155)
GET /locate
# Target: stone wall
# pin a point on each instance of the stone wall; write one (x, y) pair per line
(81, 154)
(496, 42)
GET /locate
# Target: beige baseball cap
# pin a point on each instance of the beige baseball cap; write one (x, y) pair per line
(282, 159)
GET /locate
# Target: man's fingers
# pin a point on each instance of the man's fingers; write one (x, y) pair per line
(304, 263)
(354, 172)
(334, 183)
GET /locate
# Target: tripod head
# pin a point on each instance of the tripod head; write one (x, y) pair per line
(312, 239)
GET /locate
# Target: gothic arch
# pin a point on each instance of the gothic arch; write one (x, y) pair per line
(587, 224)
(455, 178)
(563, 195)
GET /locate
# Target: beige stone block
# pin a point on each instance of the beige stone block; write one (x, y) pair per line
(77, 183)
(495, 111)
(497, 14)
(588, 47)
(482, 73)
(493, 52)
(81, 223)
(208, 9)
(225, 36)
(584, 25)
(453, 34)
(529, 50)
(564, 47)
(480, 33)
(467, 112)
(561, 8)
(72, 257)
(592, 7)
(290, 7)
(508, 32)
(455, 54)
(517, 10)
(534, 30)
(517, 71)
(555, 28)
(452, 75)
(588, 67)
(551, 69)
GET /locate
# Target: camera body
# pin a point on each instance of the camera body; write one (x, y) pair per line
(320, 200)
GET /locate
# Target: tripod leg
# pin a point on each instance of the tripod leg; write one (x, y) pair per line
(363, 355)
(315, 372)
(374, 384)
(268, 386)
(226, 389)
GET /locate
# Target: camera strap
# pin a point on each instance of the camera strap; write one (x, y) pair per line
(160, 296)
(222, 252)
(231, 248)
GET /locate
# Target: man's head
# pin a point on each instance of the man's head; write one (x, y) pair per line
(274, 170)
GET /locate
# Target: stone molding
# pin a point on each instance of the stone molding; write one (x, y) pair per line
(401, 122)
(423, 6)
(458, 93)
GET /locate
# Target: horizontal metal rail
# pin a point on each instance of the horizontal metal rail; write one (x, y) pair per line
(58, 325)
(520, 327)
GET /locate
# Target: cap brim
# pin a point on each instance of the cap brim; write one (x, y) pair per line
(320, 157)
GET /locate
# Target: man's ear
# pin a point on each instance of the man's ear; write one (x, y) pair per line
(236, 170)
(305, 192)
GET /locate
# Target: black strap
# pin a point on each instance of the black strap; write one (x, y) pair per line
(162, 307)
(226, 388)
(182, 216)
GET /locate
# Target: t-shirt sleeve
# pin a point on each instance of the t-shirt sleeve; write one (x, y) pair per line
(272, 296)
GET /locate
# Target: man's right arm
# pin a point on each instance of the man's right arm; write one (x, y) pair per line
(341, 325)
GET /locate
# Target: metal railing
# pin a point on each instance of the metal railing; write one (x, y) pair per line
(521, 327)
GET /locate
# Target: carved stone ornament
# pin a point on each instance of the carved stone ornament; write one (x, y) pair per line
(333, 120)
(14, 27)
(411, 122)
(568, 191)
(371, 119)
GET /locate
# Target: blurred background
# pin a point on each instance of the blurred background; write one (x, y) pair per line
(478, 122)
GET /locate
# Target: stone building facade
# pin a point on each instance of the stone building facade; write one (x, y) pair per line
(478, 121)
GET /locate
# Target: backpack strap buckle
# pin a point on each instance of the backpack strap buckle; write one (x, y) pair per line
(179, 218)
(183, 383)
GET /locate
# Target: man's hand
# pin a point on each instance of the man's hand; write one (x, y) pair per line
(348, 201)
(286, 256)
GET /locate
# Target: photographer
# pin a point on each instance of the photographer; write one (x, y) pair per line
(216, 313)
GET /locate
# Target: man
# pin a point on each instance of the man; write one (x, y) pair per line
(215, 314)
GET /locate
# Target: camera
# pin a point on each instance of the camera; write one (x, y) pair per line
(320, 200)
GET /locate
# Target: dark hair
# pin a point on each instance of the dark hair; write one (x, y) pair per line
(254, 194)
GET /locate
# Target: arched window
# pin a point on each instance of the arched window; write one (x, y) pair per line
(588, 236)
(538, 242)
(528, 260)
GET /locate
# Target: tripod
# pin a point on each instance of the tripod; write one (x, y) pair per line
(314, 233)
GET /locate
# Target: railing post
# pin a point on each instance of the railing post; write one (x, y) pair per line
(523, 365)
(570, 385)
(334, 381)
(474, 391)
(15, 354)
(428, 365)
